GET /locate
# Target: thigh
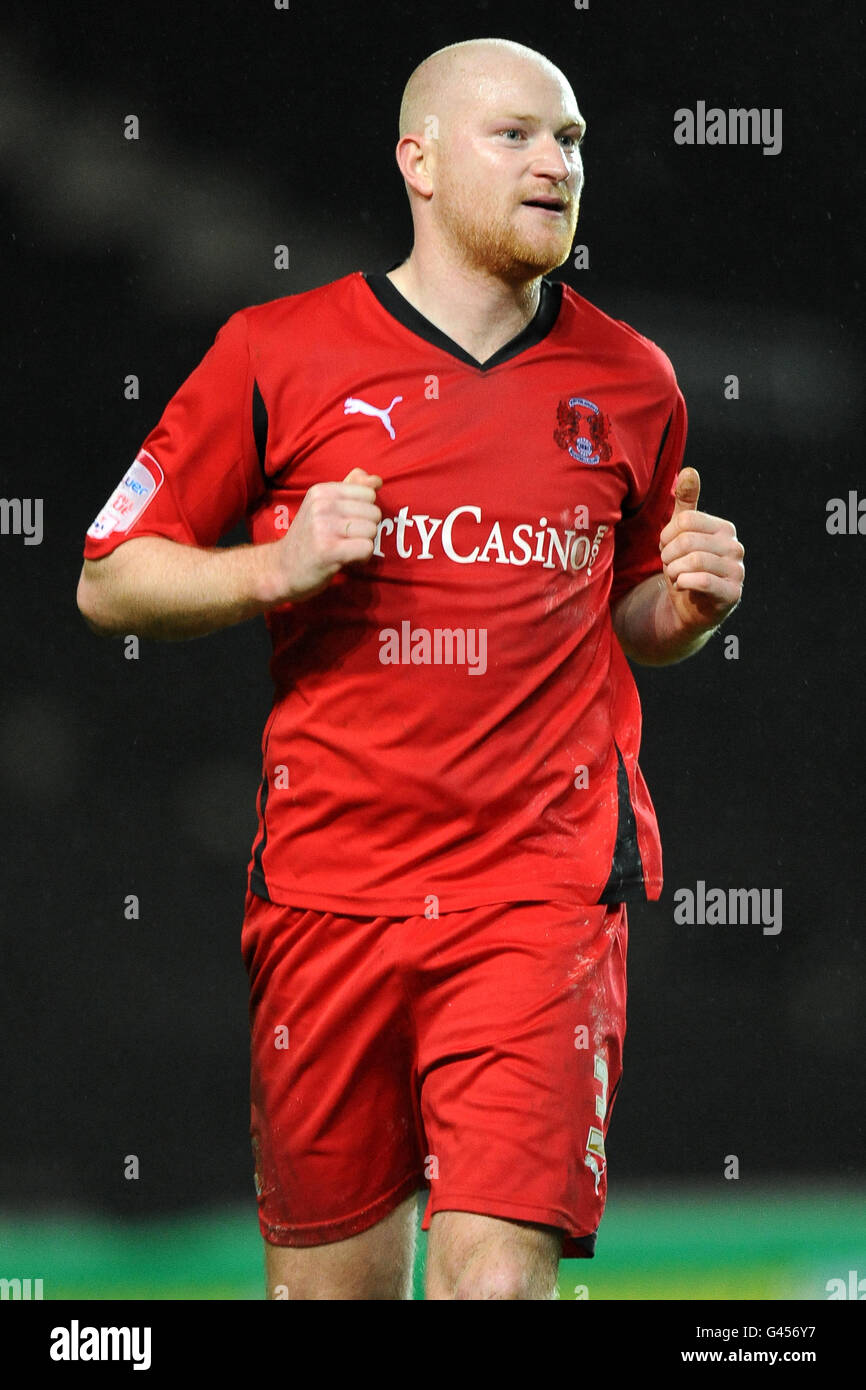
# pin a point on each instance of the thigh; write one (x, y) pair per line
(333, 1121)
(521, 1021)
(377, 1264)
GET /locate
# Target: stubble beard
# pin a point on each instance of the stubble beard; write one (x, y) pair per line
(486, 240)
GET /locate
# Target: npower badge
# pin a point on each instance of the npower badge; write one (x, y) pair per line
(137, 488)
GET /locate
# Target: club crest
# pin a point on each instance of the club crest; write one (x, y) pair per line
(583, 430)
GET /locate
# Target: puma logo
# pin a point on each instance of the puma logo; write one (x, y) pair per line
(352, 406)
(592, 1165)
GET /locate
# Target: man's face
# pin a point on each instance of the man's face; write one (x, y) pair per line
(508, 172)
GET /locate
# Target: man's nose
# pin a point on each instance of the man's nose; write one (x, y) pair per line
(551, 162)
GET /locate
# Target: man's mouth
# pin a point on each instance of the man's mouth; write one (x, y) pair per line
(552, 206)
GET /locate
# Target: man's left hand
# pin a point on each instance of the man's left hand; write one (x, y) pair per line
(702, 558)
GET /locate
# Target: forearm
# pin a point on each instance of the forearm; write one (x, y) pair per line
(158, 588)
(649, 629)
(154, 587)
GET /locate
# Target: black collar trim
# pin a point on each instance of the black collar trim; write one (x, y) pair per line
(550, 300)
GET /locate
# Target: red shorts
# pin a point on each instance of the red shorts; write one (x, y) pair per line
(476, 1054)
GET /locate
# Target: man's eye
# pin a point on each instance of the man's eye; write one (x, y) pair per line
(513, 131)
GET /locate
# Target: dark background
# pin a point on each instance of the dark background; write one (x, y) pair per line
(261, 127)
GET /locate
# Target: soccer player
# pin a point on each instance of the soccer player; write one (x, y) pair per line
(466, 505)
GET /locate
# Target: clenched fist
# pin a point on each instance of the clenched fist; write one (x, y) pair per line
(335, 526)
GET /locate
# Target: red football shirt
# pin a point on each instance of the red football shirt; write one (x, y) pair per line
(454, 723)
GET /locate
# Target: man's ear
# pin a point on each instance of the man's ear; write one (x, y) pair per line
(416, 158)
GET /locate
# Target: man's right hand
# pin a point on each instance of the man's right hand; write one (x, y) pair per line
(334, 526)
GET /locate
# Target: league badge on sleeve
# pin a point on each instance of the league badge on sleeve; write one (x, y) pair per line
(139, 486)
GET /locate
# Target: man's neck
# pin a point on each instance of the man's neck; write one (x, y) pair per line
(480, 312)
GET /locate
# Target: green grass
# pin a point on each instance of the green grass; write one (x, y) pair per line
(784, 1243)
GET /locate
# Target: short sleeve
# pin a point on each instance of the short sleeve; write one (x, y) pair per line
(198, 472)
(636, 539)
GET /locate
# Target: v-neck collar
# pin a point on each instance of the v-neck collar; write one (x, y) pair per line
(396, 304)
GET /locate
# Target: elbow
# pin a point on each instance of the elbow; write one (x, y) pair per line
(93, 609)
